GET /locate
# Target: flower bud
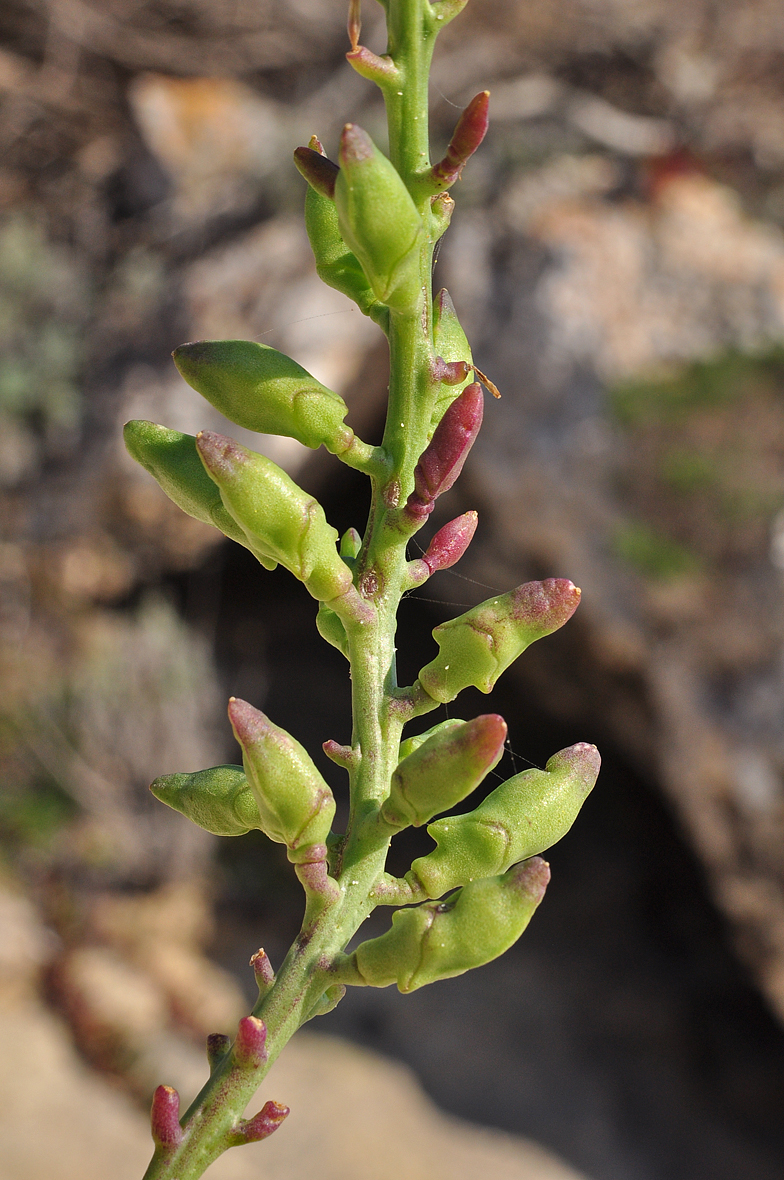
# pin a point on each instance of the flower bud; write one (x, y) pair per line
(469, 133)
(520, 818)
(444, 770)
(476, 647)
(442, 460)
(295, 805)
(280, 521)
(173, 460)
(350, 545)
(378, 219)
(218, 800)
(319, 171)
(165, 1117)
(443, 939)
(261, 1125)
(218, 1045)
(262, 389)
(250, 1044)
(450, 542)
(262, 971)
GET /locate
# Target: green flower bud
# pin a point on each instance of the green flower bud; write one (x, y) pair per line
(475, 648)
(444, 770)
(520, 818)
(378, 219)
(443, 939)
(218, 800)
(335, 264)
(173, 460)
(296, 807)
(264, 390)
(350, 546)
(418, 739)
(280, 521)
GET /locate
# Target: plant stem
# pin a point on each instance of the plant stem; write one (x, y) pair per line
(334, 916)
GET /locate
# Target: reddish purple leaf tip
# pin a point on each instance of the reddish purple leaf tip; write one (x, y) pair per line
(262, 1125)
(250, 1043)
(442, 460)
(450, 542)
(319, 171)
(262, 968)
(165, 1117)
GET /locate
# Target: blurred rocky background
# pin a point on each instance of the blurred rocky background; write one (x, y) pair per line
(617, 257)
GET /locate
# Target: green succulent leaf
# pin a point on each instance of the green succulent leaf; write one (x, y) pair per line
(522, 817)
(295, 805)
(173, 460)
(378, 220)
(442, 939)
(280, 521)
(478, 646)
(336, 265)
(262, 389)
(444, 770)
(218, 799)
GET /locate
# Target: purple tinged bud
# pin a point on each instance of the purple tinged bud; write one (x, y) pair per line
(350, 544)
(469, 133)
(450, 372)
(165, 1117)
(442, 460)
(450, 542)
(218, 1045)
(340, 755)
(250, 1044)
(261, 1125)
(319, 171)
(262, 969)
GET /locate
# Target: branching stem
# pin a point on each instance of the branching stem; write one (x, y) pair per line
(335, 912)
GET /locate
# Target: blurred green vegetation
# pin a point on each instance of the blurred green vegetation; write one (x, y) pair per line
(44, 301)
(652, 553)
(702, 465)
(711, 383)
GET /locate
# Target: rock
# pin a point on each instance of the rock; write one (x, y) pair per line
(663, 506)
(57, 1117)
